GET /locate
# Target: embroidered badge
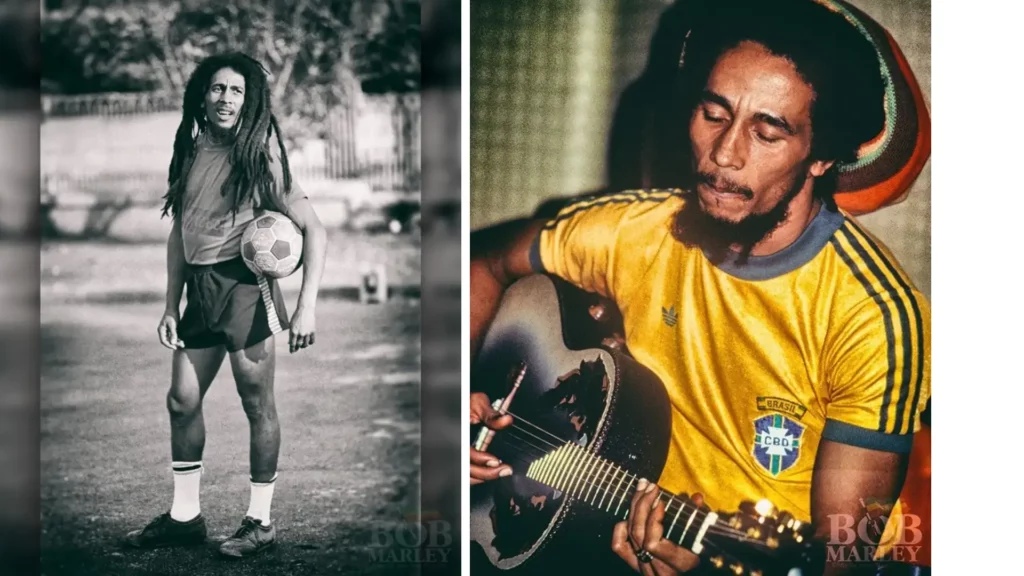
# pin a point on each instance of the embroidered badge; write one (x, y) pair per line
(773, 404)
(777, 441)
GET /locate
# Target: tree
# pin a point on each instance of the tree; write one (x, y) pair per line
(320, 53)
(389, 61)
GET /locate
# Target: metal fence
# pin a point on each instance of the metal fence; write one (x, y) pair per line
(117, 146)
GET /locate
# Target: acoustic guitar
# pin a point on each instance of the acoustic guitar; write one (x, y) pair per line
(589, 422)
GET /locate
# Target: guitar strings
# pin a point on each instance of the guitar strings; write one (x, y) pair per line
(672, 499)
(601, 485)
(583, 482)
(518, 418)
(714, 529)
(525, 447)
(588, 483)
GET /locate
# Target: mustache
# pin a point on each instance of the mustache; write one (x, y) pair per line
(723, 184)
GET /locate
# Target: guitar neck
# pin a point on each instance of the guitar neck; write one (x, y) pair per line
(603, 485)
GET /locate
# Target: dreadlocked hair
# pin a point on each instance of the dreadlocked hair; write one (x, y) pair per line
(250, 152)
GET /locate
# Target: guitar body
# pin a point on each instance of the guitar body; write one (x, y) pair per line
(575, 389)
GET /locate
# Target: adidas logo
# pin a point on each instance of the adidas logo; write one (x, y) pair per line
(668, 315)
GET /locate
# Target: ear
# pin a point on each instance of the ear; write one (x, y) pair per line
(819, 167)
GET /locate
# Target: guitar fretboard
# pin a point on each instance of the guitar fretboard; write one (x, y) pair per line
(600, 483)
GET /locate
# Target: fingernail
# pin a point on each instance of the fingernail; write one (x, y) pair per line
(641, 484)
(651, 487)
(492, 463)
(505, 472)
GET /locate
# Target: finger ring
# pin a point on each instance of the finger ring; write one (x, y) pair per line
(644, 556)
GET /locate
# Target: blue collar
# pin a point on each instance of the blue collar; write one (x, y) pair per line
(817, 234)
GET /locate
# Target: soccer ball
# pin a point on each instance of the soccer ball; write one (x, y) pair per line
(272, 245)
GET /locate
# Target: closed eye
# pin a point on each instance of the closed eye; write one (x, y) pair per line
(713, 119)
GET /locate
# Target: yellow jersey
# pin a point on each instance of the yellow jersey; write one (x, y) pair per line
(826, 339)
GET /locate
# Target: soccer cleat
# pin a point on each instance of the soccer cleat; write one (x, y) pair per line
(164, 531)
(251, 537)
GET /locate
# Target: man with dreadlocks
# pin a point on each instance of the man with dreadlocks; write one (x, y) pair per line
(229, 165)
(793, 348)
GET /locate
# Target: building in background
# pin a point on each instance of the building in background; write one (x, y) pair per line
(344, 79)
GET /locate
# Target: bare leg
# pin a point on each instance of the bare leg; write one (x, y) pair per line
(192, 373)
(254, 378)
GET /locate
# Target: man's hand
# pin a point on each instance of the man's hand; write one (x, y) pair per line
(303, 329)
(643, 531)
(599, 312)
(168, 331)
(484, 466)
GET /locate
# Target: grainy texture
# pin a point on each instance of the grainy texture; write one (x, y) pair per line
(525, 130)
(349, 411)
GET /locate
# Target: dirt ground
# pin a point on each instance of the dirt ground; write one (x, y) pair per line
(349, 468)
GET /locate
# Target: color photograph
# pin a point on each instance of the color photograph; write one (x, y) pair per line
(699, 280)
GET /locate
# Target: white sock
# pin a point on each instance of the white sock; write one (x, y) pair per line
(260, 495)
(186, 490)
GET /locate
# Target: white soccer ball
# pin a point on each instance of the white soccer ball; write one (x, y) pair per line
(272, 245)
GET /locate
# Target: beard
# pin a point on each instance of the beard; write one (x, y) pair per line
(717, 237)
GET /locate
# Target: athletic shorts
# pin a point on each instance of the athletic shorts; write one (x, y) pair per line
(226, 304)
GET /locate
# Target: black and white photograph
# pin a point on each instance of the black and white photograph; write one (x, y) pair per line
(440, 432)
(230, 287)
(19, 288)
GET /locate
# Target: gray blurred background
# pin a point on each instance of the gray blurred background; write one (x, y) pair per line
(547, 77)
(442, 435)
(19, 282)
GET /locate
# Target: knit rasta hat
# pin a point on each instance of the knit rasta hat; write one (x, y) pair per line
(886, 166)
